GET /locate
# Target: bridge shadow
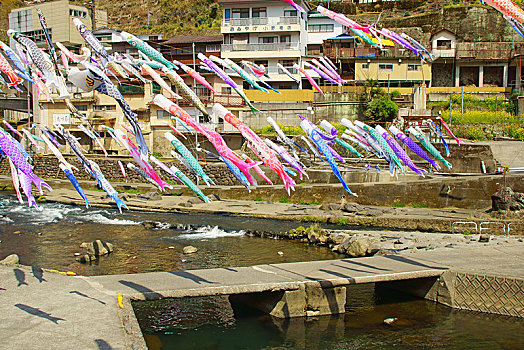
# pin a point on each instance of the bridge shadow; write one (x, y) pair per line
(327, 284)
(148, 294)
(86, 296)
(37, 312)
(191, 277)
(349, 261)
(352, 269)
(412, 262)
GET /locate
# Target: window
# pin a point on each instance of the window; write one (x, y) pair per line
(444, 44)
(385, 67)
(213, 48)
(241, 13)
(259, 12)
(261, 63)
(226, 90)
(161, 114)
(81, 107)
(365, 65)
(227, 15)
(21, 21)
(288, 64)
(267, 39)
(290, 13)
(320, 28)
(77, 13)
(104, 107)
(285, 38)
(414, 67)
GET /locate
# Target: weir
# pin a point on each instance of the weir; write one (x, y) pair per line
(79, 311)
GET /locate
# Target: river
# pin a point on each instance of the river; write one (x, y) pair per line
(50, 238)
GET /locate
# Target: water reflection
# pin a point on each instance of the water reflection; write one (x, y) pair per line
(213, 323)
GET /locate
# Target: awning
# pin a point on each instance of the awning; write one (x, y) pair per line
(342, 37)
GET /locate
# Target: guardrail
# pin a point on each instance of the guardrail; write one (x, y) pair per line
(486, 225)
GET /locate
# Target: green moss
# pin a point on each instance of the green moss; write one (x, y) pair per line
(399, 205)
(284, 200)
(342, 221)
(257, 199)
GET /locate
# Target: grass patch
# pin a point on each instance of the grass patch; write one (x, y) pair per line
(284, 200)
(309, 218)
(309, 203)
(399, 205)
(257, 199)
(421, 205)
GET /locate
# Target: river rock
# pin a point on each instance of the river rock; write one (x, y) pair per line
(338, 238)
(187, 204)
(359, 247)
(12, 259)
(195, 200)
(87, 258)
(506, 199)
(189, 249)
(97, 247)
(352, 208)
(330, 206)
(149, 224)
(215, 197)
(151, 196)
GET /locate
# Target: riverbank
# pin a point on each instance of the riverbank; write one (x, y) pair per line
(137, 197)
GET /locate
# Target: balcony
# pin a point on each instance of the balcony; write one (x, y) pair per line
(227, 100)
(260, 25)
(345, 52)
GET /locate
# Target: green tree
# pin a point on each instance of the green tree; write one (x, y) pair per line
(381, 109)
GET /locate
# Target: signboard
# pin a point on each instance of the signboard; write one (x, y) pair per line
(261, 28)
(61, 118)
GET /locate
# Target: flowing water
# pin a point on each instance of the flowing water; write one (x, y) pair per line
(50, 237)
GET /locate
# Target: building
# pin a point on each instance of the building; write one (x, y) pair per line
(59, 16)
(266, 33)
(462, 63)
(392, 66)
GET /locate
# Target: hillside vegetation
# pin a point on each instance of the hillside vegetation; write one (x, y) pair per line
(168, 17)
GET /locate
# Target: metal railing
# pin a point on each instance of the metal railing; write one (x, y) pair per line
(260, 47)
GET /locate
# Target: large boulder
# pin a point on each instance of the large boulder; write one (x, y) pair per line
(506, 199)
(97, 248)
(352, 208)
(358, 247)
(12, 259)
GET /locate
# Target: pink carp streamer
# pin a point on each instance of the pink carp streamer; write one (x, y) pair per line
(257, 145)
(508, 8)
(445, 125)
(308, 77)
(214, 137)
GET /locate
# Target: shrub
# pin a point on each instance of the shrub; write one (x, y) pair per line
(395, 94)
(381, 110)
(475, 133)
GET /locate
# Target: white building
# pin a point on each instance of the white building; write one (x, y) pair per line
(271, 32)
(265, 32)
